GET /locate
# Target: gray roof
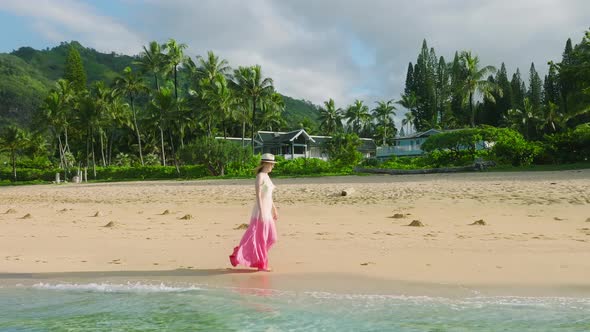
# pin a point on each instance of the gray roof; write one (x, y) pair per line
(278, 138)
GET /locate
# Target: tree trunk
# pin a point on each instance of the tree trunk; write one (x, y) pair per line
(67, 147)
(110, 144)
(174, 152)
(87, 146)
(243, 128)
(136, 130)
(253, 120)
(102, 148)
(471, 109)
(62, 161)
(13, 156)
(93, 153)
(162, 141)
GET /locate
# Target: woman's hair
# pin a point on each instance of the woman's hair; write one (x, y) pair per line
(260, 167)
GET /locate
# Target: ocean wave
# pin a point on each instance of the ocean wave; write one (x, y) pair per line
(116, 288)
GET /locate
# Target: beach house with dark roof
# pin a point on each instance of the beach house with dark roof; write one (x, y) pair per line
(298, 144)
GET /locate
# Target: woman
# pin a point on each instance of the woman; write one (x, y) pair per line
(261, 233)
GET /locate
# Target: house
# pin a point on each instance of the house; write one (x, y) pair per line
(298, 144)
(408, 145)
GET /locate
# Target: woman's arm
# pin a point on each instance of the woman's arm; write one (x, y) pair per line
(258, 188)
(275, 212)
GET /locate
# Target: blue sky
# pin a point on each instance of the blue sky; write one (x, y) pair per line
(314, 50)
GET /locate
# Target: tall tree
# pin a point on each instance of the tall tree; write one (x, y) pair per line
(162, 109)
(458, 112)
(504, 101)
(13, 139)
(74, 70)
(566, 80)
(132, 86)
(221, 101)
(330, 118)
(251, 84)
(211, 67)
(551, 89)
(518, 90)
(152, 61)
(424, 81)
(442, 90)
(535, 93)
(174, 58)
(475, 81)
(357, 116)
(383, 114)
(408, 121)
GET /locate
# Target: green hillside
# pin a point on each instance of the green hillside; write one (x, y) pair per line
(27, 74)
(22, 88)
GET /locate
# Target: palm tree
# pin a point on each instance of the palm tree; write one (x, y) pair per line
(88, 118)
(174, 57)
(220, 99)
(357, 115)
(13, 139)
(330, 118)
(132, 86)
(163, 106)
(408, 121)
(383, 113)
(52, 109)
(152, 61)
(476, 81)
(251, 85)
(211, 67)
(272, 111)
(523, 120)
(117, 116)
(409, 102)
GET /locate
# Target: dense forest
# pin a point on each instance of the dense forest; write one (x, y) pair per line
(73, 106)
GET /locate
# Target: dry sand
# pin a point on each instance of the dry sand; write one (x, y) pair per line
(536, 227)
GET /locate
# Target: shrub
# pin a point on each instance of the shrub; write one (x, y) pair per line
(571, 146)
(215, 154)
(342, 149)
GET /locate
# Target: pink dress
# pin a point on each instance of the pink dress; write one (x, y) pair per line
(261, 233)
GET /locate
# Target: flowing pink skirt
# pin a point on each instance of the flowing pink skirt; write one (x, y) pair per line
(255, 244)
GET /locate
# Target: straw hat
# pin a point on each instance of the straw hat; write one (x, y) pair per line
(268, 158)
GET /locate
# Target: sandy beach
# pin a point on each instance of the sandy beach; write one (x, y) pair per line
(536, 232)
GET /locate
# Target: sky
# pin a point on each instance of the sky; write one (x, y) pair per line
(313, 49)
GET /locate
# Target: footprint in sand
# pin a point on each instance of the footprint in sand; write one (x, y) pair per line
(166, 212)
(558, 218)
(187, 217)
(10, 211)
(115, 261)
(27, 216)
(97, 214)
(242, 226)
(368, 263)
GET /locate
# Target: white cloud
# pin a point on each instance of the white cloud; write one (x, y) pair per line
(304, 45)
(57, 20)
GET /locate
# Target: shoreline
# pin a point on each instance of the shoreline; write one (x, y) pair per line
(267, 283)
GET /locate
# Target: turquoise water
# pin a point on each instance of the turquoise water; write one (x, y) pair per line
(58, 306)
